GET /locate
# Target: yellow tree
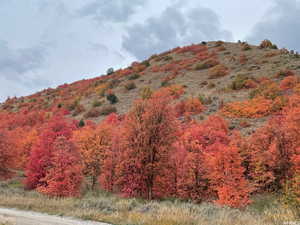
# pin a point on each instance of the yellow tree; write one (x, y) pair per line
(92, 142)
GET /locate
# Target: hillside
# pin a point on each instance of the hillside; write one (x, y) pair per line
(203, 134)
(216, 72)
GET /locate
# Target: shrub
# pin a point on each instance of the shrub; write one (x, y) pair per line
(218, 71)
(267, 44)
(146, 93)
(81, 123)
(106, 110)
(164, 83)
(167, 58)
(72, 105)
(129, 86)
(97, 103)
(190, 106)
(207, 64)
(284, 73)
(211, 85)
(92, 113)
(257, 107)
(268, 90)
(134, 76)
(112, 98)
(110, 71)
(113, 83)
(219, 43)
(246, 46)
(205, 100)
(288, 82)
(146, 63)
(240, 82)
(79, 109)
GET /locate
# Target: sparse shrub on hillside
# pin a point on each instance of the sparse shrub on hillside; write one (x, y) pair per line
(271, 54)
(129, 85)
(101, 91)
(97, 103)
(176, 90)
(244, 124)
(284, 73)
(267, 89)
(146, 93)
(288, 82)
(219, 43)
(138, 67)
(113, 83)
(134, 76)
(211, 85)
(106, 110)
(188, 107)
(81, 123)
(146, 63)
(164, 83)
(206, 64)
(167, 58)
(154, 56)
(72, 105)
(254, 108)
(296, 89)
(92, 113)
(205, 100)
(267, 44)
(250, 83)
(218, 71)
(245, 46)
(242, 81)
(79, 109)
(110, 71)
(111, 97)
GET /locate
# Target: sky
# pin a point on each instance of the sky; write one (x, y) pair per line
(45, 43)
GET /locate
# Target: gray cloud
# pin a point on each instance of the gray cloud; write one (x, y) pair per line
(15, 62)
(110, 10)
(175, 26)
(280, 24)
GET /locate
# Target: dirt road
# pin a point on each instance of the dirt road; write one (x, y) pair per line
(17, 217)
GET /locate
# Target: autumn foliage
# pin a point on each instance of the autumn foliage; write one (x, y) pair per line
(5, 156)
(51, 158)
(64, 177)
(158, 149)
(150, 129)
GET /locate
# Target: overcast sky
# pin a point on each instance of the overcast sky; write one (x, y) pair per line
(44, 43)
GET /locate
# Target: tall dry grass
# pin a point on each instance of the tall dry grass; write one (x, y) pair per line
(105, 207)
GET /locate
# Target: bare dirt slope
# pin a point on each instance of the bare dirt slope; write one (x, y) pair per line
(17, 217)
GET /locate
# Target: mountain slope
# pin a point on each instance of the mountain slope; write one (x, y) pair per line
(216, 72)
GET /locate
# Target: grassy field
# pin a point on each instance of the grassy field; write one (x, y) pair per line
(105, 207)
